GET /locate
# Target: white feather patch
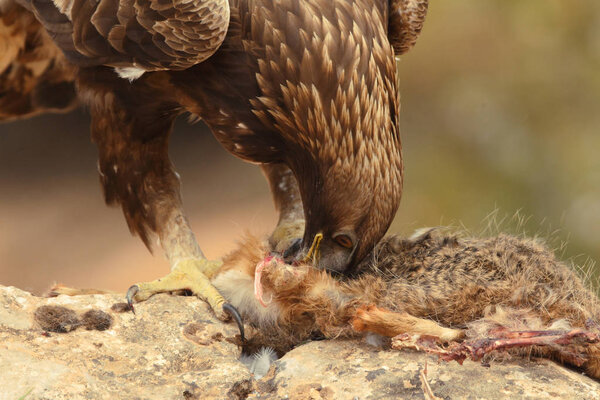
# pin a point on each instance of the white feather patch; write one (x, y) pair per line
(130, 73)
(260, 362)
(65, 7)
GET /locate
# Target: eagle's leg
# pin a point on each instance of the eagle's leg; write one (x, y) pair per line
(131, 124)
(288, 203)
(190, 269)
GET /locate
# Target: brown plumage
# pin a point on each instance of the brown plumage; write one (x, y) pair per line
(34, 76)
(306, 88)
(147, 34)
(436, 283)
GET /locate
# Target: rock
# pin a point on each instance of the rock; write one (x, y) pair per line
(347, 369)
(173, 348)
(155, 354)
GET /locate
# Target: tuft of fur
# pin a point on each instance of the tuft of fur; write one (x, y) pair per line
(434, 283)
(57, 319)
(454, 280)
(260, 362)
(96, 320)
(63, 320)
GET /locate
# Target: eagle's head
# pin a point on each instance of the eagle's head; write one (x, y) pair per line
(330, 90)
(347, 157)
(351, 198)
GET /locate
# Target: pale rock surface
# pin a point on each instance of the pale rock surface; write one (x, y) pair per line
(173, 348)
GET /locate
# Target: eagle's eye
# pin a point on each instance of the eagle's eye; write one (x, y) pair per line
(344, 241)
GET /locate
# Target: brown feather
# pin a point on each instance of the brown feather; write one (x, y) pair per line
(310, 84)
(34, 77)
(406, 22)
(147, 34)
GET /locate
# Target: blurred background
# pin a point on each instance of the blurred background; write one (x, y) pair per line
(500, 114)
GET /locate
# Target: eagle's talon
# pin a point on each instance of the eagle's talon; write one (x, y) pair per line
(234, 313)
(131, 292)
(189, 274)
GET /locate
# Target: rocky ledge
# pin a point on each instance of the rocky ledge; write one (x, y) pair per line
(173, 348)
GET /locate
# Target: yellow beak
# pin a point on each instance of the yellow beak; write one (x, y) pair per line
(313, 252)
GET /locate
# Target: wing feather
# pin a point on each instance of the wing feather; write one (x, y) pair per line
(405, 23)
(147, 34)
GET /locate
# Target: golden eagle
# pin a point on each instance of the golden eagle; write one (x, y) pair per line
(305, 88)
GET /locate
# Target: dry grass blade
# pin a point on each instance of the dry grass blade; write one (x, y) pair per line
(427, 392)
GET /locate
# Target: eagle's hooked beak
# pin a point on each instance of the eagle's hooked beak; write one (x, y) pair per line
(313, 252)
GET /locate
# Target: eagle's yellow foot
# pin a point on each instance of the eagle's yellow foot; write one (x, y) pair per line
(193, 275)
(287, 236)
